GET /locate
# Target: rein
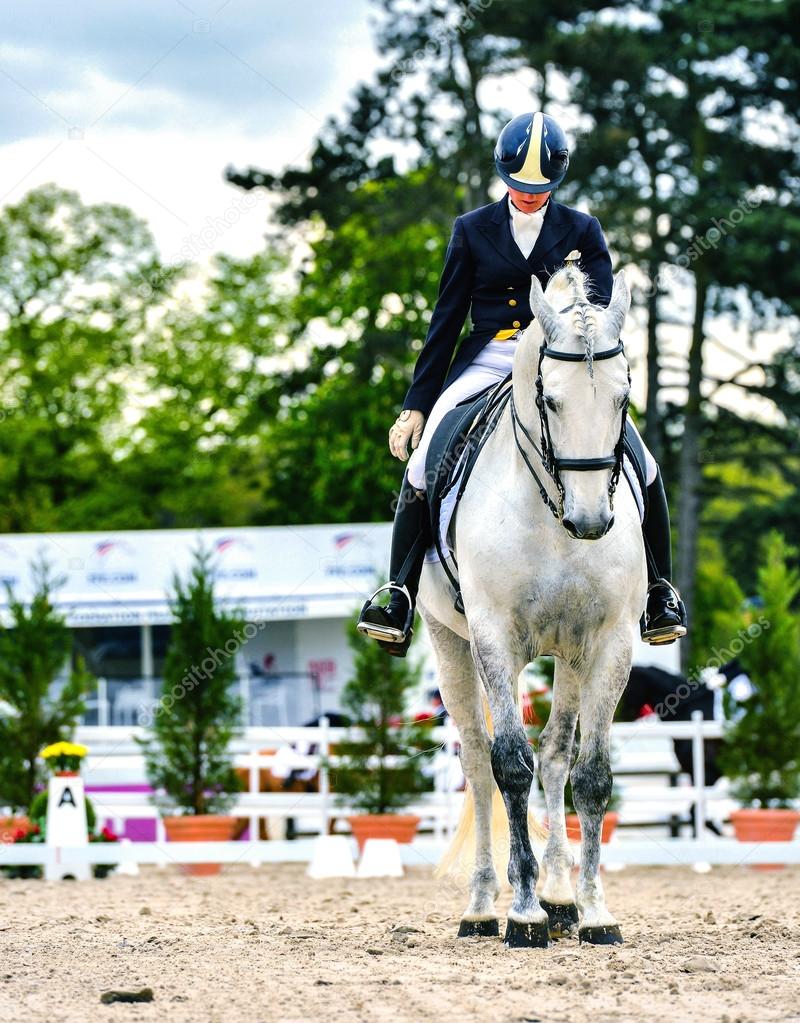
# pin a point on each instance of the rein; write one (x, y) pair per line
(551, 463)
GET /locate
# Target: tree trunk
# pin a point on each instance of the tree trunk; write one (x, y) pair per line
(653, 433)
(690, 474)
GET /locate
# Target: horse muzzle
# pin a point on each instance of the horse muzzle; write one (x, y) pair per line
(587, 529)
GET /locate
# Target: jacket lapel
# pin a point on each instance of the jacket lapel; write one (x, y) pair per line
(498, 231)
(554, 228)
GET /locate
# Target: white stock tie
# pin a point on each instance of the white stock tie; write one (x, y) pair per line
(525, 227)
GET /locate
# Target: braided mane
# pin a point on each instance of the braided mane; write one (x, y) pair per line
(583, 323)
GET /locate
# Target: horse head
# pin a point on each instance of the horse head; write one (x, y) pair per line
(582, 390)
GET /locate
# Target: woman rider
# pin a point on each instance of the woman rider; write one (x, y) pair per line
(492, 255)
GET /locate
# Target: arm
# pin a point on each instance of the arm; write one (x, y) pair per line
(596, 262)
(449, 315)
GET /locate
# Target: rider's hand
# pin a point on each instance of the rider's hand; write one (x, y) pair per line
(407, 426)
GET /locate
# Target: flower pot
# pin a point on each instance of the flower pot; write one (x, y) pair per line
(608, 829)
(400, 826)
(756, 825)
(9, 826)
(200, 828)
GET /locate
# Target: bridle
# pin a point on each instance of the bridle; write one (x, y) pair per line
(551, 463)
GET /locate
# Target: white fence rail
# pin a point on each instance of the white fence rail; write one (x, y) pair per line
(645, 767)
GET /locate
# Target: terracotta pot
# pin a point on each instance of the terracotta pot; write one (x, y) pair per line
(400, 826)
(9, 826)
(757, 825)
(200, 828)
(574, 827)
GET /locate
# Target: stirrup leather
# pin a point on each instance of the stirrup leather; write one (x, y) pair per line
(385, 633)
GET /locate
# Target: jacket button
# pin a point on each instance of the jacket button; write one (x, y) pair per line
(512, 301)
(516, 323)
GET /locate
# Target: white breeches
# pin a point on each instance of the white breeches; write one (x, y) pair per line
(492, 364)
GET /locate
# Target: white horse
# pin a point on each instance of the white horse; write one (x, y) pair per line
(532, 584)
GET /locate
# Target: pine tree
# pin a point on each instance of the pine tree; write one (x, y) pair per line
(33, 651)
(382, 770)
(762, 749)
(198, 714)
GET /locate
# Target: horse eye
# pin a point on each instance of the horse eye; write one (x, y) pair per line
(623, 401)
(551, 403)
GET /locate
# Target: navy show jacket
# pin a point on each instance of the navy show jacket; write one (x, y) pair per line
(486, 275)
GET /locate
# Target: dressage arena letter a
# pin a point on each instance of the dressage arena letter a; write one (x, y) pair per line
(66, 797)
(66, 825)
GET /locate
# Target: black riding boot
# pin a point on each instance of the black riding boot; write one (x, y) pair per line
(391, 626)
(664, 619)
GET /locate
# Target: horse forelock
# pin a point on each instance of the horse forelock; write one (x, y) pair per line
(570, 284)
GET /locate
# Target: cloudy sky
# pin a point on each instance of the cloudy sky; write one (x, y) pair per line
(145, 102)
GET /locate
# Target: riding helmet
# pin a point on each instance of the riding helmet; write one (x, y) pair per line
(532, 153)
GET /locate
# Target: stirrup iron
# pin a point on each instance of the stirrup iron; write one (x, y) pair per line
(385, 633)
(668, 633)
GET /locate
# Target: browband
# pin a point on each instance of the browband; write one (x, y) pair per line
(608, 353)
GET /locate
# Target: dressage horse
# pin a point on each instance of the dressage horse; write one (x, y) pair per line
(532, 583)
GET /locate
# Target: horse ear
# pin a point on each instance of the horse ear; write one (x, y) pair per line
(619, 305)
(543, 311)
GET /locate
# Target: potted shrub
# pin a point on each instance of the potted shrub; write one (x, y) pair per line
(34, 648)
(761, 748)
(186, 755)
(380, 770)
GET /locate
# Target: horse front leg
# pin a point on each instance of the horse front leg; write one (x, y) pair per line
(591, 788)
(555, 757)
(513, 767)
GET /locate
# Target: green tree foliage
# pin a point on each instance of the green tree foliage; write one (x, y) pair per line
(374, 281)
(381, 771)
(761, 752)
(34, 650)
(212, 380)
(187, 754)
(70, 309)
(718, 607)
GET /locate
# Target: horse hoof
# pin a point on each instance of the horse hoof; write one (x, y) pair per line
(479, 929)
(533, 935)
(610, 935)
(563, 917)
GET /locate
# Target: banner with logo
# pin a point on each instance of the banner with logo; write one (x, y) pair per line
(271, 573)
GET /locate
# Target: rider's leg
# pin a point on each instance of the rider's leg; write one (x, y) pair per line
(391, 625)
(664, 619)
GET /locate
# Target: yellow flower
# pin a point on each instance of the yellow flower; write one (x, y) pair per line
(63, 749)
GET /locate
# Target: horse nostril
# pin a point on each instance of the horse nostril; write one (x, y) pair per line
(590, 531)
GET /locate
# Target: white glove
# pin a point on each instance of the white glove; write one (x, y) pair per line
(407, 426)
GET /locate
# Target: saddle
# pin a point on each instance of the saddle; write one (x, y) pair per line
(454, 449)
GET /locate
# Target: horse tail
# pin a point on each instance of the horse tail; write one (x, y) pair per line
(459, 857)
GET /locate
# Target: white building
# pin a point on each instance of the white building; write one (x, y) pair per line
(297, 586)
